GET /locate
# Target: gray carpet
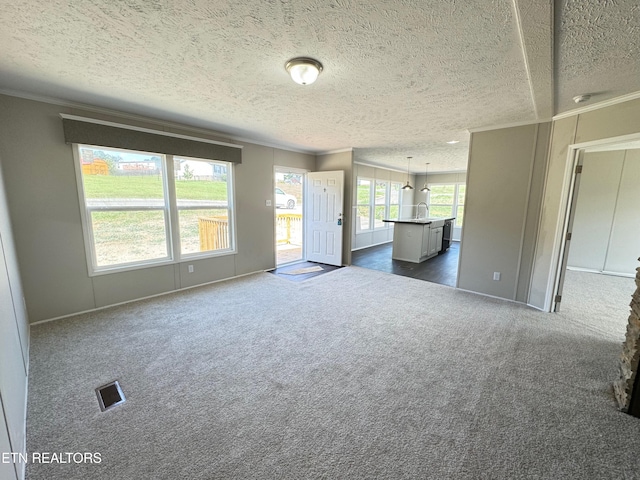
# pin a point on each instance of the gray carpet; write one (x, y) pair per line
(355, 374)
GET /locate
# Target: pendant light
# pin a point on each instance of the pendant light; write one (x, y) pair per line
(408, 185)
(425, 189)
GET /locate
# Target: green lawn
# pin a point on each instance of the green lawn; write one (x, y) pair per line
(122, 237)
(150, 186)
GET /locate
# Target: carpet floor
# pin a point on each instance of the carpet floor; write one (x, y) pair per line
(354, 374)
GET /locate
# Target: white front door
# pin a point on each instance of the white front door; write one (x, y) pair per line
(323, 217)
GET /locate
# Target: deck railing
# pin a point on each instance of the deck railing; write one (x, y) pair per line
(214, 231)
(289, 228)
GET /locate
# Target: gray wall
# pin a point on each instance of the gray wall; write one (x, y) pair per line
(504, 184)
(14, 347)
(608, 122)
(44, 206)
(342, 161)
(606, 228)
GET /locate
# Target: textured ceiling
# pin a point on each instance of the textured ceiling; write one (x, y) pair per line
(401, 77)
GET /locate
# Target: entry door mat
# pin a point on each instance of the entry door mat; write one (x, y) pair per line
(302, 271)
(299, 272)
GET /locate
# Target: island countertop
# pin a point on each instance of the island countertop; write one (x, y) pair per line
(419, 221)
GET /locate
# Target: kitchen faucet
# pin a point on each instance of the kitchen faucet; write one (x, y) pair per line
(426, 210)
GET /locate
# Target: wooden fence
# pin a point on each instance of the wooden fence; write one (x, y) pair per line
(214, 231)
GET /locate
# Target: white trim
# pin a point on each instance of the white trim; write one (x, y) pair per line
(372, 245)
(602, 272)
(331, 152)
(145, 130)
(493, 296)
(168, 292)
(597, 106)
(561, 224)
(373, 165)
(606, 141)
(508, 125)
(525, 57)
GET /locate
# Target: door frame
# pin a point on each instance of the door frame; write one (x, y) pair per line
(303, 172)
(561, 246)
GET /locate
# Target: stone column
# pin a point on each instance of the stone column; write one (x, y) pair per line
(630, 356)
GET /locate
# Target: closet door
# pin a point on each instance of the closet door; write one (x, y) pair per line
(595, 207)
(624, 247)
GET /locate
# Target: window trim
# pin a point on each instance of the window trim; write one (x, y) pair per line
(372, 203)
(372, 184)
(454, 205)
(172, 225)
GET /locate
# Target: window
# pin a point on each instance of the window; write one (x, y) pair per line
(202, 201)
(136, 214)
(447, 201)
(394, 201)
(376, 200)
(381, 200)
(363, 203)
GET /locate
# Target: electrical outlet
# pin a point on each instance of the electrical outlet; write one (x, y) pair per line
(268, 203)
(496, 276)
(190, 268)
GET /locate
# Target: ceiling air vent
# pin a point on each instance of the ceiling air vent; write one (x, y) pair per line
(110, 395)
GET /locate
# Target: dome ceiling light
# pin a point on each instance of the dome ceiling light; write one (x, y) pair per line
(303, 70)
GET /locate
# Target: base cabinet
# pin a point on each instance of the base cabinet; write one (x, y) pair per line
(416, 242)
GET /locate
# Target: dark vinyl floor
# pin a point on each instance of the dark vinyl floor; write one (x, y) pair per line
(282, 271)
(442, 269)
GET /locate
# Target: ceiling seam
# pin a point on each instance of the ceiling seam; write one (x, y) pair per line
(524, 55)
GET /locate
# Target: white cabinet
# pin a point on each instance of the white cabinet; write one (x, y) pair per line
(435, 240)
(416, 241)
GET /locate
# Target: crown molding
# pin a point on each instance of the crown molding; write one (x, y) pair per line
(508, 125)
(331, 152)
(597, 106)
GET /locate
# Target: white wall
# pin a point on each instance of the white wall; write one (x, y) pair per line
(14, 348)
(606, 228)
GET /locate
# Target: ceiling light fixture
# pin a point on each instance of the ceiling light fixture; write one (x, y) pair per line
(303, 70)
(408, 185)
(453, 142)
(425, 189)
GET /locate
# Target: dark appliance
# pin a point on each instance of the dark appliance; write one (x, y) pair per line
(447, 231)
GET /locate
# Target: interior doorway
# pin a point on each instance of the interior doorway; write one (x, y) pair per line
(289, 207)
(602, 225)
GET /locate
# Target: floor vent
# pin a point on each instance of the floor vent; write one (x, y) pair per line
(110, 395)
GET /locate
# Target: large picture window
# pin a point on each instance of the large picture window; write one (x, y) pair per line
(447, 200)
(144, 208)
(376, 200)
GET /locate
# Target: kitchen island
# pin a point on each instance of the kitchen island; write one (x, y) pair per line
(417, 240)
